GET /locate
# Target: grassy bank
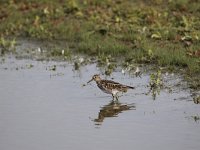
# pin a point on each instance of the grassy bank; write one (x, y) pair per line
(155, 31)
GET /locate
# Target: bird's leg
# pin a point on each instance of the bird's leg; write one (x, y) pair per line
(115, 96)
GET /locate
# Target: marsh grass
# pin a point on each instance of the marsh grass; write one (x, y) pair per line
(97, 44)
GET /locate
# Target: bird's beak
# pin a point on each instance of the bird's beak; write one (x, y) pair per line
(90, 81)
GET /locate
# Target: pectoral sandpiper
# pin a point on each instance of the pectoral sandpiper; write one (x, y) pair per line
(110, 87)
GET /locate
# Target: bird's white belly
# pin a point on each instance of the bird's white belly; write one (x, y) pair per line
(114, 91)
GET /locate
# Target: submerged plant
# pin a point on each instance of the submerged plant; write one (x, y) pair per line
(196, 118)
(78, 62)
(52, 68)
(137, 72)
(155, 83)
(196, 100)
(7, 45)
(156, 80)
(110, 68)
(107, 62)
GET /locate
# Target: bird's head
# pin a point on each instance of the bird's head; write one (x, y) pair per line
(95, 77)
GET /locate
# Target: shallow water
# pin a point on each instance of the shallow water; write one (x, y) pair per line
(45, 109)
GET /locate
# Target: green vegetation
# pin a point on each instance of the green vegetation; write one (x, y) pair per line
(155, 84)
(7, 45)
(163, 32)
(196, 100)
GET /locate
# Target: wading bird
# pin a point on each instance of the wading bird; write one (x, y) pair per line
(110, 87)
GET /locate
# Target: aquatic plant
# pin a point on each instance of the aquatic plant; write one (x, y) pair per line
(7, 45)
(196, 118)
(196, 100)
(155, 84)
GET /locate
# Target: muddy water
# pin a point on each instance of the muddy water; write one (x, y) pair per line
(45, 107)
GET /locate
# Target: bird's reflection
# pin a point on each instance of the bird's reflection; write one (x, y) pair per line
(112, 110)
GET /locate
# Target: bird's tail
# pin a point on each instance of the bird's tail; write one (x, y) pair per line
(131, 87)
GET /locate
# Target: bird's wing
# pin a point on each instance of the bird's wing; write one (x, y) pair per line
(109, 83)
(112, 84)
(115, 85)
